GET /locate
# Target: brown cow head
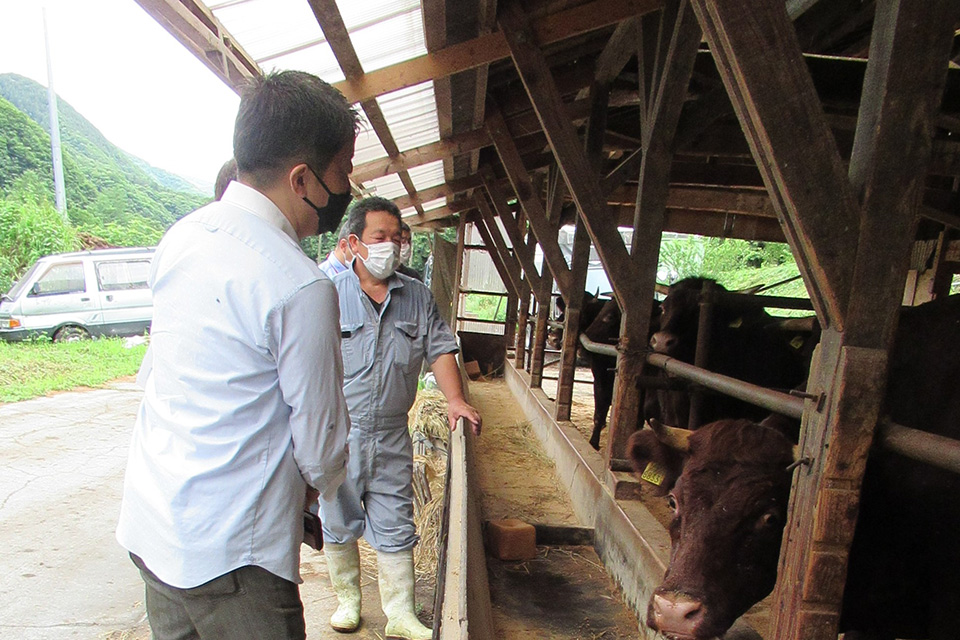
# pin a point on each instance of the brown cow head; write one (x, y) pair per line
(728, 491)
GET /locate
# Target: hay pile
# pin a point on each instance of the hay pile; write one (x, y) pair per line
(431, 436)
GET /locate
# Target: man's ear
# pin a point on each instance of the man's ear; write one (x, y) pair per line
(297, 179)
(654, 462)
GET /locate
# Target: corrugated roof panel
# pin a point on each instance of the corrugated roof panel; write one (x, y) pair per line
(411, 114)
(368, 11)
(427, 175)
(270, 27)
(386, 187)
(427, 206)
(368, 146)
(317, 59)
(394, 40)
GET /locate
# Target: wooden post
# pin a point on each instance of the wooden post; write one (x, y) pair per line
(540, 337)
(676, 50)
(458, 274)
(510, 322)
(571, 323)
(902, 89)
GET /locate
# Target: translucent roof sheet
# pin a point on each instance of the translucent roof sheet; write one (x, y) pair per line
(284, 34)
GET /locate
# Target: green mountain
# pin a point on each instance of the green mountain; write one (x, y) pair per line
(104, 184)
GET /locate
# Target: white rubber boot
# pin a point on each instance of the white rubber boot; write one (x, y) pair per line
(343, 564)
(396, 578)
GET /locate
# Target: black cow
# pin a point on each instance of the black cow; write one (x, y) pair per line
(744, 344)
(600, 322)
(729, 493)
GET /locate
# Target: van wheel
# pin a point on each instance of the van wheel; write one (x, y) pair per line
(71, 334)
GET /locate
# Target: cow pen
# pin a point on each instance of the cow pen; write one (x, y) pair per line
(829, 124)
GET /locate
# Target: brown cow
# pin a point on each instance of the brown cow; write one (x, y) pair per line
(729, 493)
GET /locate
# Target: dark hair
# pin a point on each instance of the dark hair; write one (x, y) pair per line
(227, 173)
(290, 116)
(357, 213)
(405, 228)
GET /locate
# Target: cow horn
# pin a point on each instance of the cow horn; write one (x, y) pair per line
(673, 437)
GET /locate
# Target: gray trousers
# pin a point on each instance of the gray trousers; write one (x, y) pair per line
(376, 499)
(247, 603)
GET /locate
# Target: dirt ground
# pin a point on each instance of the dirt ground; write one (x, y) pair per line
(564, 592)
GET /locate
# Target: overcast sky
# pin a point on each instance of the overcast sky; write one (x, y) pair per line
(122, 71)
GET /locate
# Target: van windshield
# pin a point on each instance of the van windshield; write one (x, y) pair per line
(19, 285)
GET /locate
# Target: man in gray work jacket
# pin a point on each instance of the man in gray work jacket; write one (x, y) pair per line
(389, 323)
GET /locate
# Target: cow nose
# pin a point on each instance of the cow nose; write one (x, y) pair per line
(678, 615)
(663, 342)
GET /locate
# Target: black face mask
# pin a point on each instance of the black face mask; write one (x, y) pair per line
(331, 214)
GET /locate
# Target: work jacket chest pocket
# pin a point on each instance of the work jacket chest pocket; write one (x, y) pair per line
(351, 347)
(408, 346)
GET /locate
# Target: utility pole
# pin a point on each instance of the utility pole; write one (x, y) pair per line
(54, 129)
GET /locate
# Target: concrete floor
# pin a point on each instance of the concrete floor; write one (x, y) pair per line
(62, 573)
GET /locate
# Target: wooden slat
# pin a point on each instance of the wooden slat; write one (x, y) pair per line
(509, 273)
(517, 241)
(509, 260)
(619, 49)
(491, 47)
(523, 188)
(583, 183)
(197, 29)
(759, 59)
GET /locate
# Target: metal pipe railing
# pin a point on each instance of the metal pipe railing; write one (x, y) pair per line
(930, 448)
(750, 300)
(598, 347)
(773, 400)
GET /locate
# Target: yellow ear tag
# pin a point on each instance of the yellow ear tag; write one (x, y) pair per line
(652, 474)
(736, 324)
(797, 342)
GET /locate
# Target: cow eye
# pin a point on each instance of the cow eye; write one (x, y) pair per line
(672, 502)
(769, 519)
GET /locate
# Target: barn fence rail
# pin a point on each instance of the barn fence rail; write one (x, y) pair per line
(928, 448)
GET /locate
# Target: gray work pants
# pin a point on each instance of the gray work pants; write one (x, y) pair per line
(376, 499)
(247, 603)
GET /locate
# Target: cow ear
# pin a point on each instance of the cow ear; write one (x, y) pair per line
(655, 463)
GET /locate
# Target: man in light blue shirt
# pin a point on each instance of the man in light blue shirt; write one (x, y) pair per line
(340, 257)
(243, 407)
(389, 324)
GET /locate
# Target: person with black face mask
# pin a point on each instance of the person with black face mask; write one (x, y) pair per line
(243, 418)
(389, 324)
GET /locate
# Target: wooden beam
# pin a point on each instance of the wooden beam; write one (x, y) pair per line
(909, 53)
(445, 190)
(197, 29)
(491, 48)
(509, 273)
(517, 241)
(903, 89)
(755, 47)
(439, 213)
(335, 31)
(529, 200)
(509, 260)
(580, 178)
(620, 48)
(678, 39)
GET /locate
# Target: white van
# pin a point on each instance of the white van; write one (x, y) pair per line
(70, 296)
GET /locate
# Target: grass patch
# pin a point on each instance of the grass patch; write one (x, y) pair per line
(31, 369)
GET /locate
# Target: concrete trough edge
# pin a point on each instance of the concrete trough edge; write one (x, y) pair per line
(631, 542)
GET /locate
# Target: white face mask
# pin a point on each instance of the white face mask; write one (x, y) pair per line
(406, 252)
(382, 259)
